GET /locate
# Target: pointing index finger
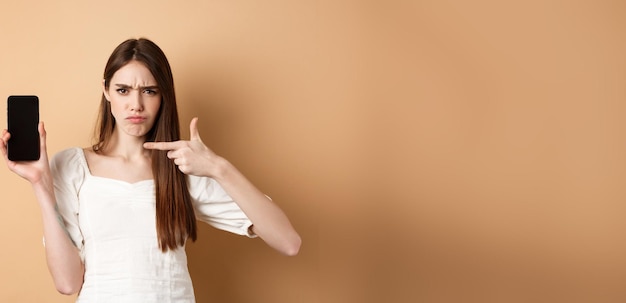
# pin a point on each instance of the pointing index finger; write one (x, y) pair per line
(162, 145)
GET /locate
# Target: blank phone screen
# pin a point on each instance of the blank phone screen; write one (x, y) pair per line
(23, 120)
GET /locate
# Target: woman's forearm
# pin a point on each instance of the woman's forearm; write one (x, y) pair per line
(269, 222)
(62, 257)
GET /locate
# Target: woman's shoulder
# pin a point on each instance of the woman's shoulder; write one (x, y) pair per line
(68, 154)
(72, 158)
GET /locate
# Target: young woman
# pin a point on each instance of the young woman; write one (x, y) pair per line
(116, 216)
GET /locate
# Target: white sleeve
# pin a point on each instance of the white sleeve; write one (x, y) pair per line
(68, 176)
(214, 206)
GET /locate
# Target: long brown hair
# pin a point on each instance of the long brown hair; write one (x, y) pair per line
(175, 218)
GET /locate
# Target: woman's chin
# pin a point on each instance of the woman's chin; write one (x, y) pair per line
(136, 131)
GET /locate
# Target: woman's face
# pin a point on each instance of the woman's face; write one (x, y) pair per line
(135, 99)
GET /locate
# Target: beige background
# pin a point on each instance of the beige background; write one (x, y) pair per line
(427, 151)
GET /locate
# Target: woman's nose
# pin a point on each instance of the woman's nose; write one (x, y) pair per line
(136, 103)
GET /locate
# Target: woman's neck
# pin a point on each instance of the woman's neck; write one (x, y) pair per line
(125, 146)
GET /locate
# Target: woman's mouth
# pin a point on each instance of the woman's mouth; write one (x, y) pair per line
(136, 119)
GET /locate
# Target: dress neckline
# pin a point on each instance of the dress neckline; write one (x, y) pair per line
(85, 165)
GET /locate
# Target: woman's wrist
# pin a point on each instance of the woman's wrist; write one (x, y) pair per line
(43, 182)
(44, 190)
(221, 169)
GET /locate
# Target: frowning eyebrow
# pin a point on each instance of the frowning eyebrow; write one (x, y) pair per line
(126, 86)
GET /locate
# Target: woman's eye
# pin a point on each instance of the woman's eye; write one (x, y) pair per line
(122, 91)
(150, 92)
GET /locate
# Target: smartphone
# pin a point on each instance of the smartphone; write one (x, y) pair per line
(23, 121)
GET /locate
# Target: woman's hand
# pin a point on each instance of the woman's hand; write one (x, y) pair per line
(192, 157)
(33, 171)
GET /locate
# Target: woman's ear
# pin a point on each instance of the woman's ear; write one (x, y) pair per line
(105, 91)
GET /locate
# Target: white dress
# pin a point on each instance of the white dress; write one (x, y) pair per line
(112, 223)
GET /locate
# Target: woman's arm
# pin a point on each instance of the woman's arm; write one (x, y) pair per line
(269, 222)
(63, 259)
